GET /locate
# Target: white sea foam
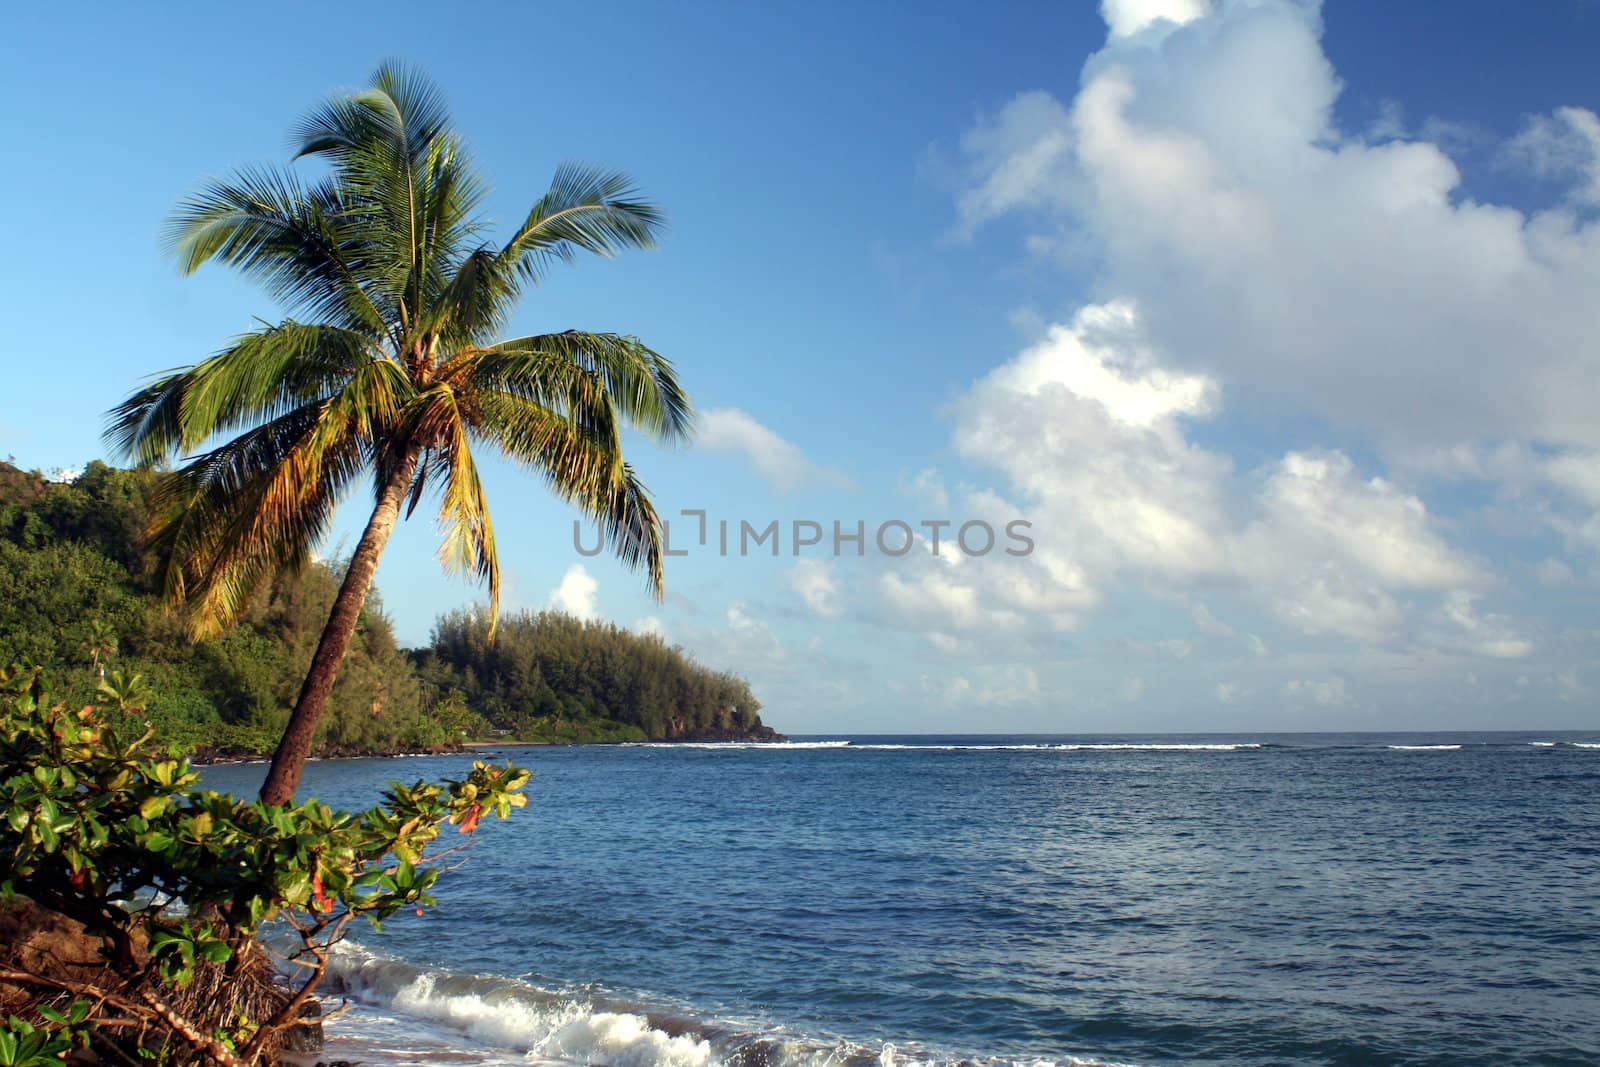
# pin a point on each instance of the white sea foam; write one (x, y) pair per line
(888, 747)
(855, 746)
(514, 1015)
(1586, 744)
(406, 1013)
(1108, 746)
(736, 745)
(1131, 747)
(1424, 748)
(1543, 744)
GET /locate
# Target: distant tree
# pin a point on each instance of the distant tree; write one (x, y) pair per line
(395, 376)
(549, 673)
(100, 644)
(128, 692)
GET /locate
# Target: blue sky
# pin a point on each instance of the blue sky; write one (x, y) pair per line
(1275, 322)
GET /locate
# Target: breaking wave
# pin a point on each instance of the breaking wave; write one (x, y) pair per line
(867, 746)
(423, 1013)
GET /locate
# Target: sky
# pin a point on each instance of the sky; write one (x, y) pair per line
(1260, 334)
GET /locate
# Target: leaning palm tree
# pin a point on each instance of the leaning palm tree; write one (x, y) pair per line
(391, 373)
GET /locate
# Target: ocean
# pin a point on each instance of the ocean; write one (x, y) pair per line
(1222, 900)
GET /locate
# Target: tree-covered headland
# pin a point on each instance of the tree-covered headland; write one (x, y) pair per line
(81, 600)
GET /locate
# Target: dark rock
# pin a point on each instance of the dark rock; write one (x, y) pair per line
(307, 1037)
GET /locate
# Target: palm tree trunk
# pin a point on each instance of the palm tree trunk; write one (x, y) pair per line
(295, 747)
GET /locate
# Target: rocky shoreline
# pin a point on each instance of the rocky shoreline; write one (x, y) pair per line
(207, 756)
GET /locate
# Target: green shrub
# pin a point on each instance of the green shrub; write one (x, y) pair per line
(175, 881)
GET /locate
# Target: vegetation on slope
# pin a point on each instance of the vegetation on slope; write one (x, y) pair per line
(549, 676)
(81, 601)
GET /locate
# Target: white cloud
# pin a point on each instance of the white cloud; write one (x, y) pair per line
(1553, 573)
(651, 625)
(934, 600)
(1331, 550)
(782, 463)
(1127, 17)
(813, 580)
(577, 593)
(1484, 635)
(1093, 433)
(1327, 693)
(1208, 623)
(1209, 185)
(1562, 146)
(927, 485)
(990, 685)
(1026, 149)
(1227, 692)
(1238, 239)
(1093, 436)
(1557, 490)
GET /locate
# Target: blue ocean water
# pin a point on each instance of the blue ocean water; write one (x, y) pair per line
(1223, 900)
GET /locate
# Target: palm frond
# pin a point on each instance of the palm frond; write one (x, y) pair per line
(290, 237)
(261, 376)
(268, 373)
(639, 381)
(401, 104)
(229, 519)
(632, 528)
(586, 209)
(410, 188)
(148, 426)
(475, 302)
(579, 466)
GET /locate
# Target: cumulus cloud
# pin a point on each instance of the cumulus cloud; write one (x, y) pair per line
(781, 462)
(1128, 17)
(1344, 278)
(1244, 248)
(1095, 435)
(577, 593)
(1244, 254)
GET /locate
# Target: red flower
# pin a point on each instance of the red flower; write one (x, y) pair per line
(324, 903)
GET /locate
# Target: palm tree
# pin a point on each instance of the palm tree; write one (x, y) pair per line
(394, 374)
(101, 644)
(128, 692)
